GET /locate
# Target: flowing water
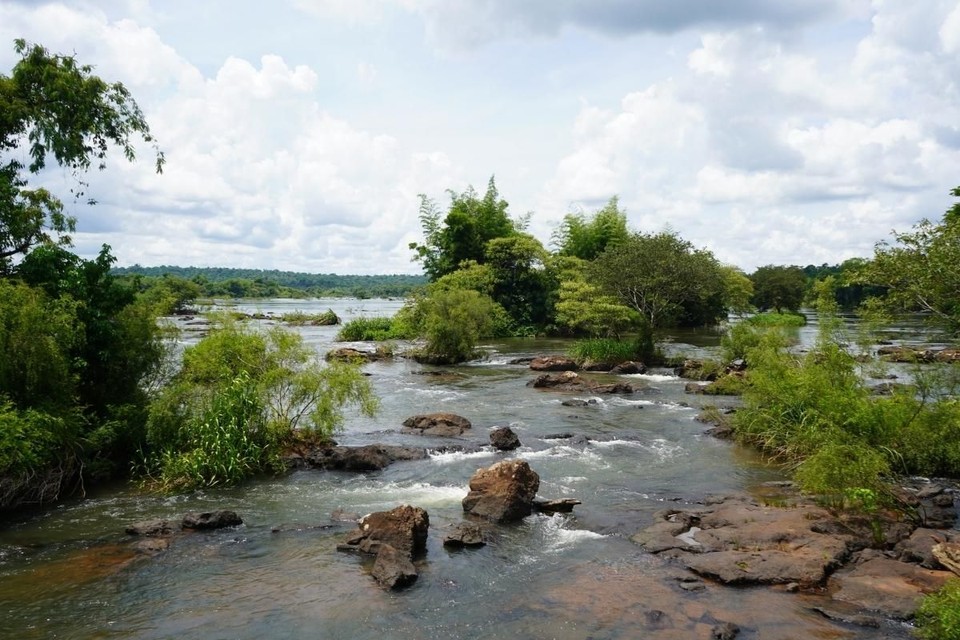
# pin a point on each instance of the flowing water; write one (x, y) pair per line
(68, 571)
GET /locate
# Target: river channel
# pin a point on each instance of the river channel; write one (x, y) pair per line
(69, 572)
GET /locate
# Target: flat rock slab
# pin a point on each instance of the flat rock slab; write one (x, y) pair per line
(553, 363)
(805, 566)
(570, 381)
(888, 586)
(437, 424)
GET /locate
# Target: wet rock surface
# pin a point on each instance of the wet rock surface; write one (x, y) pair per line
(740, 540)
(396, 538)
(437, 424)
(371, 457)
(571, 381)
(553, 363)
(464, 534)
(504, 439)
(503, 492)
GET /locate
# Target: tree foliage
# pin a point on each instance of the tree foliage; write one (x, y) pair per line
(452, 322)
(53, 107)
(585, 237)
(921, 269)
(664, 278)
(462, 234)
(779, 288)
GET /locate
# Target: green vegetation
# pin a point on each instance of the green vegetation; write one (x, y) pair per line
(778, 288)
(938, 617)
(300, 318)
(223, 282)
(374, 329)
(777, 319)
(605, 350)
(238, 399)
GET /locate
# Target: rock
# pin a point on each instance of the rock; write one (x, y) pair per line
(349, 354)
(694, 387)
(211, 520)
(904, 354)
(564, 505)
(918, 548)
(570, 381)
(948, 554)
(553, 363)
(577, 402)
(885, 585)
(724, 631)
(628, 368)
(590, 365)
(437, 424)
(371, 457)
(948, 355)
(464, 534)
(694, 370)
(503, 492)
(152, 546)
(151, 528)
(504, 439)
(393, 569)
(403, 528)
(522, 360)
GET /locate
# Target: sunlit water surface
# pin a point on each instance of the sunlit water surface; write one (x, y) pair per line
(68, 571)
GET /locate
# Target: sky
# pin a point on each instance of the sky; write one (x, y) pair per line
(299, 133)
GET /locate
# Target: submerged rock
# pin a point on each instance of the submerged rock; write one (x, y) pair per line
(371, 457)
(152, 528)
(503, 492)
(437, 424)
(884, 585)
(211, 520)
(464, 534)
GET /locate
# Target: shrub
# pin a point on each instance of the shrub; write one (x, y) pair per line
(938, 617)
(453, 322)
(374, 330)
(605, 350)
(777, 319)
(301, 318)
(238, 399)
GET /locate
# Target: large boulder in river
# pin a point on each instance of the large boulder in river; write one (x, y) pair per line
(403, 528)
(503, 492)
(504, 439)
(553, 363)
(437, 424)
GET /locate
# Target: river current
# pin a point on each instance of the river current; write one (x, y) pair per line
(69, 572)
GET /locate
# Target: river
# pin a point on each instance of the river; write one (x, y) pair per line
(68, 571)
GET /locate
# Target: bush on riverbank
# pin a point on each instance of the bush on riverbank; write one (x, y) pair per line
(938, 617)
(239, 397)
(815, 413)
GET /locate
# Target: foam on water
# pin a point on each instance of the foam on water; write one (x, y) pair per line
(652, 377)
(459, 456)
(555, 534)
(419, 493)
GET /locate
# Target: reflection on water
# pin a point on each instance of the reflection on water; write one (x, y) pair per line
(68, 572)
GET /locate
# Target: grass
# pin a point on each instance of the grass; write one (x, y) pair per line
(938, 617)
(604, 350)
(374, 329)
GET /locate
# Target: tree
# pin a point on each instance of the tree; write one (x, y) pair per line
(921, 270)
(522, 284)
(738, 290)
(53, 107)
(452, 323)
(778, 287)
(463, 233)
(583, 308)
(587, 238)
(664, 278)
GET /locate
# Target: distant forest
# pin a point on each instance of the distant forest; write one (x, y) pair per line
(260, 283)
